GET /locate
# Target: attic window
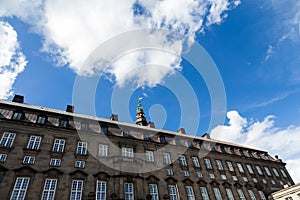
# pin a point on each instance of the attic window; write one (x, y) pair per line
(242, 153)
(223, 149)
(84, 126)
(63, 122)
(18, 115)
(232, 151)
(41, 119)
(104, 129)
(126, 134)
(162, 139)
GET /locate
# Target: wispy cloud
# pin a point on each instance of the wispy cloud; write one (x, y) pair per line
(268, 102)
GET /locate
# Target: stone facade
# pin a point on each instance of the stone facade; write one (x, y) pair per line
(120, 156)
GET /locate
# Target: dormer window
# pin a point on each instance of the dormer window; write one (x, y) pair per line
(84, 126)
(104, 129)
(146, 137)
(63, 122)
(232, 151)
(162, 139)
(18, 115)
(223, 149)
(41, 119)
(126, 134)
(242, 153)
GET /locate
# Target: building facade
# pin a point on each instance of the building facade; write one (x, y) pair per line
(54, 154)
(288, 193)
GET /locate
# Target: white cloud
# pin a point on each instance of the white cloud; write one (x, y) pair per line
(72, 29)
(12, 60)
(263, 135)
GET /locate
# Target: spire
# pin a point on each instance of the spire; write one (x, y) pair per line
(140, 118)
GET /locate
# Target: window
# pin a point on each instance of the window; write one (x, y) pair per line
(84, 126)
(234, 178)
(230, 166)
(241, 194)
(104, 130)
(217, 194)
(101, 190)
(129, 191)
(127, 152)
(59, 145)
(289, 183)
(63, 122)
(29, 160)
(3, 158)
(242, 153)
(280, 182)
(262, 195)
(267, 171)
(7, 139)
(54, 162)
(41, 119)
(207, 163)
(149, 156)
(232, 151)
(289, 198)
(258, 170)
(76, 190)
(80, 164)
(251, 194)
(169, 172)
(182, 160)
(126, 134)
(186, 173)
(162, 139)
(229, 194)
(153, 191)
(219, 165)
(195, 162)
(146, 137)
(223, 177)
(273, 182)
(275, 172)
(212, 176)
(18, 115)
(81, 148)
(103, 150)
(204, 193)
(189, 192)
(264, 181)
(167, 158)
(283, 173)
(240, 167)
(49, 189)
(223, 149)
(245, 179)
(255, 180)
(250, 170)
(20, 188)
(199, 174)
(173, 192)
(34, 142)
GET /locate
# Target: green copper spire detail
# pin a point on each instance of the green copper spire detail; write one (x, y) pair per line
(140, 108)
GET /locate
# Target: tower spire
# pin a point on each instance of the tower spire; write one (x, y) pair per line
(140, 118)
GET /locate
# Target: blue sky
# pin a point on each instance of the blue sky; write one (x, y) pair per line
(254, 45)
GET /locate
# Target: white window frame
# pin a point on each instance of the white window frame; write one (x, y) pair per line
(240, 167)
(217, 193)
(262, 195)
(80, 164)
(20, 188)
(149, 156)
(127, 152)
(34, 142)
(29, 160)
(258, 169)
(153, 191)
(249, 167)
(103, 150)
(129, 191)
(190, 192)
(268, 171)
(167, 158)
(182, 160)
(245, 179)
(41, 119)
(17, 115)
(283, 173)
(204, 194)
(173, 192)
(264, 181)
(81, 148)
(230, 166)
(212, 176)
(55, 162)
(241, 194)
(3, 158)
(199, 174)
(76, 190)
(229, 194)
(275, 172)
(207, 163)
(219, 165)
(223, 177)
(251, 194)
(186, 173)
(59, 145)
(49, 189)
(255, 180)
(101, 188)
(234, 178)
(196, 161)
(169, 172)
(7, 139)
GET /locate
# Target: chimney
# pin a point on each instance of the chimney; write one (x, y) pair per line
(181, 130)
(114, 117)
(70, 108)
(206, 135)
(18, 98)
